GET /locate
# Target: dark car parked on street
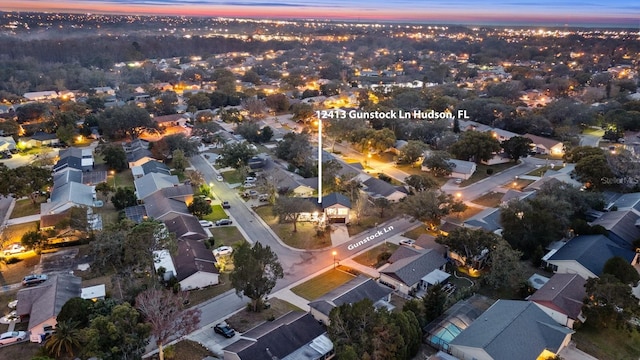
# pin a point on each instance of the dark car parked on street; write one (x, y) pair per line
(225, 330)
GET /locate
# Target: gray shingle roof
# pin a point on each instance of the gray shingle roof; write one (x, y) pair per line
(378, 188)
(512, 329)
(353, 291)
(45, 301)
(185, 227)
(137, 154)
(153, 182)
(622, 225)
(158, 206)
(411, 269)
(335, 198)
(592, 252)
(155, 167)
(193, 257)
(278, 338)
(564, 293)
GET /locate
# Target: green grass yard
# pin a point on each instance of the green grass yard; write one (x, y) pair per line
(227, 235)
(25, 207)
(370, 258)
(491, 199)
(305, 237)
(608, 343)
(217, 213)
(321, 284)
(481, 172)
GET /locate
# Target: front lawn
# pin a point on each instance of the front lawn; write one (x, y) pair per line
(25, 207)
(186, 350)
(539, 171)
(519, 184)
(306, 236)
(370, 258)
(608, 343)
(122, 179)
(481, 172)
(321, 284)
(217, 213)
(13, 233)
(491, 199)
(232, 177)
(226, 235)
(14, 273)
(468, 213)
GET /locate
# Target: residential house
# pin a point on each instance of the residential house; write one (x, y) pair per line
(286, 181)
(94, 293)
(104, 90)
(41, 304)
(40, 95)
(353, 291)
(414, 271)
(376, 188)
(295, 335)
(152, 182)
(162, 260)
(623, 226)
(77, 158)
(502, 135)
(138, 157)
(586, 255)
(40, 138)
(7, 143)
(487, 219)
(562, 298)
(509, 330)
(336, 208)
(150, 167)
(135, 145)
(185, 227)
(543, 145)
(136, 213)
(171, 120)
(195, 265)
(158, 206)
(68, 195)
(460, 169)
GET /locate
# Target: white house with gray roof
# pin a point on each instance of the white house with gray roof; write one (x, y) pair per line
(511, 330)
(413, 270)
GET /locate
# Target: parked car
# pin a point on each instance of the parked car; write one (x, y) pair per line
(219, 178)
(407, 242)
(250, 179)
(14, 249)
(263, 197)
(249, 185)
(34, 279)
(225, 330)
(222, 250)
(206, 223)
(458, 181)
(12, 336)
(226, 205)
(224, 222)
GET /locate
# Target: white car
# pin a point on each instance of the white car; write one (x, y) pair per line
(222, 250)
(250, 179)
(407, 242)
(12, 336)
(14, 249)
(219, 178)
(206, 223)
(458, 181)
(249, 185)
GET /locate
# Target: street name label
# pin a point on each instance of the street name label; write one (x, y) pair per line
(370, 237)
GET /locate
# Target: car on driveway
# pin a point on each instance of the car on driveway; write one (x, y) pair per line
(222, 250)
(226, 205)
(219, 178)
(407, 242)
(250, 179)
(12, 336)
(224, 222)
(206, 223)
(35, 279)
(14, 249)
(249, 185)
(225, 330)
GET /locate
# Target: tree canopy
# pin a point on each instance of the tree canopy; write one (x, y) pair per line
(517, 147)
(235, 155)
(24, 181)
(431, 206)
(289, 209)
(256, 270)
(479, 146)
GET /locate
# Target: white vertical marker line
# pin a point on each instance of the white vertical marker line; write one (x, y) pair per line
(319, 160)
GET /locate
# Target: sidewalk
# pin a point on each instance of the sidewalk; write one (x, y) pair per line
(23, 220)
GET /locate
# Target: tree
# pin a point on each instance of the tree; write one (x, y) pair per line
(33, 239)
(622, 270)
(295, 149)
(594, 170)
(609, 302)
(249, 130)
(412, 152)
(76, 310)
(420, 182)
(429, 206)
(24, 181)
(471, 245)
(235, 155)
(266, 134)
(434, 303)
(199, 207)
(178, 161)
(289, 209)
(256, 270)
(506, 269)
(578, 153)
(118, 335)
(143, 239)
(127, 121)
(360, 331)
(124, 197)
(382, 203)
(517, 147)
(115, 157)
(65, 339)
(195, 177)
(277, 102)
(479, 146)
(164, 311)
(438, 163)
(104, 188)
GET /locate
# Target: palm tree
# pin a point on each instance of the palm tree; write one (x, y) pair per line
(64, 340)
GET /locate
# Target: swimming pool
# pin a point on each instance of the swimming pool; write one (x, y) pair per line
(444, 335)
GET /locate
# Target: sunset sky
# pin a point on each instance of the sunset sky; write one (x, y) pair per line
(553, 12)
